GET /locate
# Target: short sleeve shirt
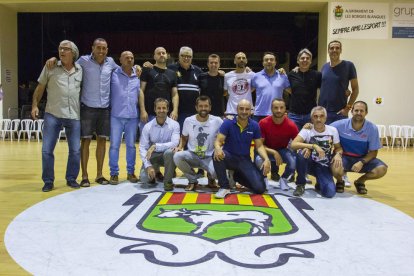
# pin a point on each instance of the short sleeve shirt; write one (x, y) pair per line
(238, 86)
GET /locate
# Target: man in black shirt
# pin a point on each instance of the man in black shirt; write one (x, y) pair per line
(211, 85)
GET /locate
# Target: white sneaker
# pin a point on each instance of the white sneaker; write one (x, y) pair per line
(230, 176)
(283, 184)
(222, 193)
(346, 180)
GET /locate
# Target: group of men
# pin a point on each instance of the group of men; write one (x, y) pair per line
(183, 123)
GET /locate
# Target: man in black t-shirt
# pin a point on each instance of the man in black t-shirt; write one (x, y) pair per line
(158, 82)
(211, 85)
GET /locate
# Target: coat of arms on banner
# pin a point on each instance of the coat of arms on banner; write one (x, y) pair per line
(338, 12)
(182, 229)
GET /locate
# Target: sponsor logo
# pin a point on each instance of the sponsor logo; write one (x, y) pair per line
(240, 86)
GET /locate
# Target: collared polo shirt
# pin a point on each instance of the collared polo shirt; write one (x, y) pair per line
(357, 143)
(166, 136)
(268, 88)
(187, 86)
(238, 140)
(96, 81)
(124, 94)
(63, 90)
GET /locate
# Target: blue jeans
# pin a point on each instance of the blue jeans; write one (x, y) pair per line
(51, 128)
(299, 119)
(288, 156)
(323, 175)
(245, 172)
(333, 117)
(129, 126)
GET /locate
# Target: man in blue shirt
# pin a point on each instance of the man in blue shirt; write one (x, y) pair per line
(124, 116)
(269, 84)
(232, 152)
(360, 142)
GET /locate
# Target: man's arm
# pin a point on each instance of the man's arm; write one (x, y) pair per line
(274, 153)
(183, 142)
(370, 155)
(337, 159)
(262, 152)
(299, 143)
(352, 98)
(175, 101)
(143, 112)
(218, 144)
(40, 89)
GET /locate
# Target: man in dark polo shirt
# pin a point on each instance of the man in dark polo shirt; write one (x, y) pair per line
(211, 85)
(158, 82)
(187, 83)
(232, 152)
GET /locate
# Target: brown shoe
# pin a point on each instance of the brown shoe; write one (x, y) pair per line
(114, 180)
(132, 178)
(191, 186)
(159, 177)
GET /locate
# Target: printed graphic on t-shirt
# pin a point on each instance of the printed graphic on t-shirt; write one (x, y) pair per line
(326, 143)
(201, 137)
(240, 86)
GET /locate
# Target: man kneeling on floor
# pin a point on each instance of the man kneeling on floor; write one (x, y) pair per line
(232, 152)
(158, 139)
(360, 141)
(316, 145)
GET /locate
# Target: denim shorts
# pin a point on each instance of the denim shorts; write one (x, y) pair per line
(95, 121)
(349, 161)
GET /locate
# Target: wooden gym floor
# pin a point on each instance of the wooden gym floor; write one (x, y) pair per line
(20, 183)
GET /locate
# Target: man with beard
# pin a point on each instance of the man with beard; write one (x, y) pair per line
(317, 145)
(237, 84)
(360, 141)
(232, 152)
(199, 133)
(277, 131)
(159, 138)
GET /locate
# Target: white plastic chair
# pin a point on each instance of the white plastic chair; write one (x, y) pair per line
(25, 128)
(37, 129)
(382, 132)
(4, 127)
(406, 135)
(395, 133)
(14, 128)
(62, 133)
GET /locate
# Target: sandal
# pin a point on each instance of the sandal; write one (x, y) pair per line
(340, 187)
(102, 180)
(360, 187)
(191, 187)
(85, 183)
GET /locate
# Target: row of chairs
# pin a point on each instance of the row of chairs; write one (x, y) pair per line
(21, 128)
(397, 133)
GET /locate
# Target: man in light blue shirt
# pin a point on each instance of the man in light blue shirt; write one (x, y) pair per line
(158, 139)
(125, 89)
(269, 84)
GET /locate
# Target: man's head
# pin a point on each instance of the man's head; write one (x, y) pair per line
(269, 61)
(161, 106)
(99, 50)
(68, 52)
(334, 50)
(160, 55)
(185, 57)
(318, 116)
(203, 106)
(244, 108)
(213, 63)
(127, 60)
(304, 59)
(278, 108)
(240, 60)
(359, 111)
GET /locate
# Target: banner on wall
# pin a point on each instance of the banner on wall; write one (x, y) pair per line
(403, 20)
(359, 20)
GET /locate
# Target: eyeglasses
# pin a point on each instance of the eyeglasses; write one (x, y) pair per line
(186, 56)
(65, 49)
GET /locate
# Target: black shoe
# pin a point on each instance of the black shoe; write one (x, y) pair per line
(299, 191)
(317, 187)
(47, 187)
(274, 176)
(159, 177)
(73, 184)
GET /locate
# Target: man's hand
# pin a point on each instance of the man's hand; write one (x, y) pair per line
(138, 70)
(151, 172)
(144, 116)
(319, 150)
(177, 149)
(221, 73)
(296, 69)
(282, 71)
(308, 126)
(265, 167)
(51, 63)
(357, 166)
(150, 151)
(337, 161)
(344, 111)
(35, 112)
(347, 93)
(306, 153)
(278, 159)
(174, 115)
(219, 154)
(148, 64)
